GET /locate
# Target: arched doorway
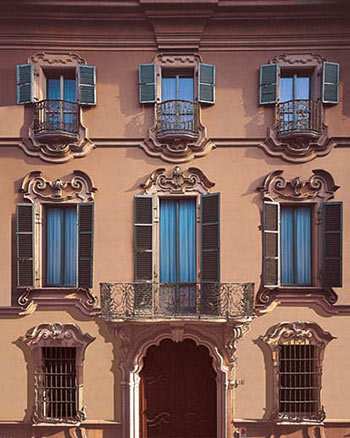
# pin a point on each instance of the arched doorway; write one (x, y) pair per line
(178, 395)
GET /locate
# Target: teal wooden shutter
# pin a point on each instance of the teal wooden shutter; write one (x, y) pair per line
(332, 244)
(210, 237)
(269, 74)
(271, 251)
(147, 83)
(24, 80)
(85, 261)
(206, 83)
(143, 238)
(330, 82)
(87, 84)
(25, 247)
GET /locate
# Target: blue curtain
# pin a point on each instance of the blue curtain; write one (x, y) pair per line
(169, 88)
(295, 245)
(53, 89)
(69, 90)
(178, 241)
(177, 87)
(61, 236)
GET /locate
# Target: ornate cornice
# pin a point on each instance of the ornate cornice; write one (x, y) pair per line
(56, 58)
(320, 187)
(177, 181)
(298, 59)
(57, 333)
(297, 332)
(77, 187)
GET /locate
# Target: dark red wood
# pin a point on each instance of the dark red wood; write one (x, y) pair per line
(178, 392)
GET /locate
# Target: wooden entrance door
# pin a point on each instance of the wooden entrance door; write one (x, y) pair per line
(178, 392)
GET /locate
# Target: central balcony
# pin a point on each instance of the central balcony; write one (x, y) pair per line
(299, 117)
(207, 301)
(56, 120)
(177, 119)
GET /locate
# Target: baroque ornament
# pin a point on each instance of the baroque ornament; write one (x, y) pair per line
(177, 181)
(78, 187)
(320, 187)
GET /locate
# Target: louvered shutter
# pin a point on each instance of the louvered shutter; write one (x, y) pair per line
(25, 247)
(269, 74)
(330, 82)
(147, 83)
(206, 83)
(143, 238)
(332, 244)
(85, 261)
(87, 84)
(210, 238)
(24, 80)
(271, 229)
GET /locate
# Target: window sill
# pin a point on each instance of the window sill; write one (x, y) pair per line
(80, 298)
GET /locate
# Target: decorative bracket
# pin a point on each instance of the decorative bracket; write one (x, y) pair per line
(177, 181)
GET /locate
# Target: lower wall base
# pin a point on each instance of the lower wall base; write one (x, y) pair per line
(86, 431)
(256, 429)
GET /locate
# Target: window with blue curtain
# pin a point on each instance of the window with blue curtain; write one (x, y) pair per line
(61, 246)
(178, 241)
(296, 245)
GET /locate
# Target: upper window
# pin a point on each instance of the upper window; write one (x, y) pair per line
(302, 230)
(55, 250)
(298, 94)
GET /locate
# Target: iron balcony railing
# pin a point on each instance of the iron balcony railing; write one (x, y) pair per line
(177, 118)
(121, 301)
(300, 116)
(56, 116)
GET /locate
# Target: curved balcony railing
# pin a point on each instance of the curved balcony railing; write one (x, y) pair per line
(56, 118)
(125, 301)
(177, 118)
(299, 117)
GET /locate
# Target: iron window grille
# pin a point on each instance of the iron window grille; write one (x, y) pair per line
(299, 381)
(57, 385)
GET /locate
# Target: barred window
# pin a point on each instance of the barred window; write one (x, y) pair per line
(58, 388)
(299, 380)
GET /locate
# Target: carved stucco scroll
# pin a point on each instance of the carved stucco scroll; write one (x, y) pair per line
(177, 181)
(56, 335)
(77, 187)
(319, 187)
(294, 333)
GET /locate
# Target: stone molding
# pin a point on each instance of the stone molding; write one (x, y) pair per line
(319, 187)
(75, 188)
(177, 181)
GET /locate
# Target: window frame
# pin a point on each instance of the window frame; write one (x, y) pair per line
(56, 335)
(293, 333)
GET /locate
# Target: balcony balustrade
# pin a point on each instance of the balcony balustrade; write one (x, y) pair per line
(56, 120)
(177, 119)
(137, 301)
(299, 117)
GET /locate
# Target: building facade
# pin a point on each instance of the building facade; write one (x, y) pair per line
(174, 219)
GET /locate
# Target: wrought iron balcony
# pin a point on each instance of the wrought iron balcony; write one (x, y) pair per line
(135, 301)
(56, 120)
(177, 119)
(299, 117)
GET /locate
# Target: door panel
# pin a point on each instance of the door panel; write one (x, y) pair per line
(178, 392)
